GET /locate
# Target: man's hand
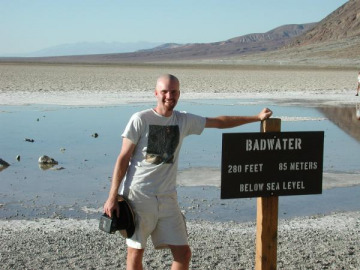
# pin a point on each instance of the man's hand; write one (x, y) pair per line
(111, 205)
(265, 114)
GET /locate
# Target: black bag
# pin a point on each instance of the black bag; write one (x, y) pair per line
(125, 224)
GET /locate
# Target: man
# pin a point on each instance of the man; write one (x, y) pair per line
(149, 159)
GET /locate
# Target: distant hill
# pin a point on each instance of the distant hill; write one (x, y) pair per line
(162, 47)
(334, 41)
(86, 48)
(241, 45)
(246, 44)
(281, 34)
(343, 23)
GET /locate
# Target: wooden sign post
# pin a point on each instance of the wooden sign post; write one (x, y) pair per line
(267, 165)
(267, 217)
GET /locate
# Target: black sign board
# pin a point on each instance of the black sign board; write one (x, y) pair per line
(271, 164)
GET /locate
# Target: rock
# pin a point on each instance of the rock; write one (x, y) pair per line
(3, 164)
(45, 167)
(47, 160)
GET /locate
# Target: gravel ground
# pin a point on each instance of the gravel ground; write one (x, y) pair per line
(318, 242)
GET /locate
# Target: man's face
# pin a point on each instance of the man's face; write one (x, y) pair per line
(167, 93)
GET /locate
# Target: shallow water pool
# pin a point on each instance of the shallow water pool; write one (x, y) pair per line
(86, 163)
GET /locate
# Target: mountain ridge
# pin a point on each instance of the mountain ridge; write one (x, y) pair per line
(334, 41)
(342, 23)
(245, 44)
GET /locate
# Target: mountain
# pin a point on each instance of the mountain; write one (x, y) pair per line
(246, 44)
(162, 47)
(87, 48)
(334, 41)
(343, 23)
(242, 45)
(280, 34)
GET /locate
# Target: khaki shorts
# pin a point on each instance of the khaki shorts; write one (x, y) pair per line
(159, 217)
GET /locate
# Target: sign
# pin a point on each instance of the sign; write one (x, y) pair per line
(271, 164)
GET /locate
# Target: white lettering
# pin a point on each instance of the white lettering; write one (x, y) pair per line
(247, 168)
(253, 168)
(270, 143)
(293, 185)
(256, 145)
(273, 186)
(303, 166)
(291, 144)
(251, 187)
(248, 145)
(273, 144)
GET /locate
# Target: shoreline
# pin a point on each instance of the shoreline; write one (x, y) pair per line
(108, 99)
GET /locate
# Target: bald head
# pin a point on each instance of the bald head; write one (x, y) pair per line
(167, 92)
(166, 79)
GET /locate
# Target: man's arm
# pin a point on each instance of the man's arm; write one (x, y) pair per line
(121, 166)
(234, 121)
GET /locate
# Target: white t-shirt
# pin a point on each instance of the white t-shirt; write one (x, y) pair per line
(359, 78)
(153, 166)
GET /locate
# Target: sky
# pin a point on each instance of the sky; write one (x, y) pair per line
(31, 25)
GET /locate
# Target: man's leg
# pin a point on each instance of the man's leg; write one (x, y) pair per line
(134, 259)
(182, 256)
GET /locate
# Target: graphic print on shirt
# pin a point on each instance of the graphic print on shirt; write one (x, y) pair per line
(162, 143)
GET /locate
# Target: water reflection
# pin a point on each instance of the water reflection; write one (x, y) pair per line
(345, 118)
(2, 167)
(46, 167)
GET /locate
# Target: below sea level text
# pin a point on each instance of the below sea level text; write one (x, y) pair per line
(272, 186)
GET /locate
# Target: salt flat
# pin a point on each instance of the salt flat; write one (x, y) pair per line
(107, 85)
